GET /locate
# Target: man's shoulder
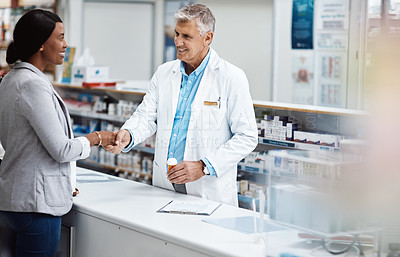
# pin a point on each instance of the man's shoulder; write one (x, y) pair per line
(227, 69)
(222, 64)
(229, 66)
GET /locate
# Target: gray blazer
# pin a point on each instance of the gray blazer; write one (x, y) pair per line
(36, 134)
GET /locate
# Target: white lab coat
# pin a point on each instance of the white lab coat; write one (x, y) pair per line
(224, 131)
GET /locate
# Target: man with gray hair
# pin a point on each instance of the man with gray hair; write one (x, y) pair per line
(202, 110)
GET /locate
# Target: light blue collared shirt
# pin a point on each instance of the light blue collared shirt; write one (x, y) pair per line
(189, 85)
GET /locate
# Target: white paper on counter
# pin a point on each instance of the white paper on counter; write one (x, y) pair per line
(195, 208)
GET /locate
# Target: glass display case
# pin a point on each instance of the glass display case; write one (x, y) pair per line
(323, 195)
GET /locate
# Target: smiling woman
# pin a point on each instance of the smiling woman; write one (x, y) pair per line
(37, 172)
(53, 50)
(37, 41)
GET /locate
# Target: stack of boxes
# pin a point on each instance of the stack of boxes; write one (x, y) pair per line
(81, 74)
(285, 128)
(275, 127)
(251, 189)
(254, 162)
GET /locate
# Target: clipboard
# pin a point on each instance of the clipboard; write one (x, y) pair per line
(191, 208)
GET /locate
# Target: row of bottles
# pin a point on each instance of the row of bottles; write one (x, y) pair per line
(134, 165)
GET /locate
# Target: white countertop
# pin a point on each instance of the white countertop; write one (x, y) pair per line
(1, 151)
(134, 205)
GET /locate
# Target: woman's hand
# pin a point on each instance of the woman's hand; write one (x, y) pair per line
(101, 138)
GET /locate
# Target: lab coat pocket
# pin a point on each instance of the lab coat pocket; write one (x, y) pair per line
(211, 117)
(56, 189)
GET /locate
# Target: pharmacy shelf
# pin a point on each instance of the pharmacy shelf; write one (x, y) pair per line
(102, 89)
(243, 167)
(117, 169)
(100, 116)
(307, 108)
(138, 148)
(77, 134)
(256, 103)
(247, 202)
(249, 199)
(144, 149)
(283, 174)
(130, 172)
(295, 145)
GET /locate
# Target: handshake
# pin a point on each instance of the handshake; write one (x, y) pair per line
(113, 142)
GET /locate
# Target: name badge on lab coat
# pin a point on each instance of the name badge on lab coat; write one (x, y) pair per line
(209, 103)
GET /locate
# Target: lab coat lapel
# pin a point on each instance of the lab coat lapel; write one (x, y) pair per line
(207, 81)
(175, 87)
(204, 86)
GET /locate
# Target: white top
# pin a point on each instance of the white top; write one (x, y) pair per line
(1, 151)
(172, 161)
(85, 154)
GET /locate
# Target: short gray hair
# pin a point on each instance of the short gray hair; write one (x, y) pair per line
(201, 13)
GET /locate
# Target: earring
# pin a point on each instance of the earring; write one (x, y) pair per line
(41, 49)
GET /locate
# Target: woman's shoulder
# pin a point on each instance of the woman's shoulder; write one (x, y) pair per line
(25, 79)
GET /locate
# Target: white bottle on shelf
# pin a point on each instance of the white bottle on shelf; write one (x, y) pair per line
(131, 108)
(126, 110)
(111, 159)
(102, 157)
(129, 161)
(120, 108)
(136, 161)
(126, 157)
(112, 109)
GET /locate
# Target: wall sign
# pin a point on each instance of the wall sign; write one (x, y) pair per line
(302, 24)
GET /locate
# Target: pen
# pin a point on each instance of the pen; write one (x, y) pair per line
(190, 212)
(161, 210)
(177, 212)
(184, 212)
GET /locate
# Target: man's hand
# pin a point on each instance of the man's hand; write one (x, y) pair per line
(107, 138)
(186, 171)
(122, 140)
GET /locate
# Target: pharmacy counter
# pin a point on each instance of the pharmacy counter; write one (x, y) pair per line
(119, 217)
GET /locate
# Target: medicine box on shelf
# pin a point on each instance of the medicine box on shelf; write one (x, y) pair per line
(82, 74)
